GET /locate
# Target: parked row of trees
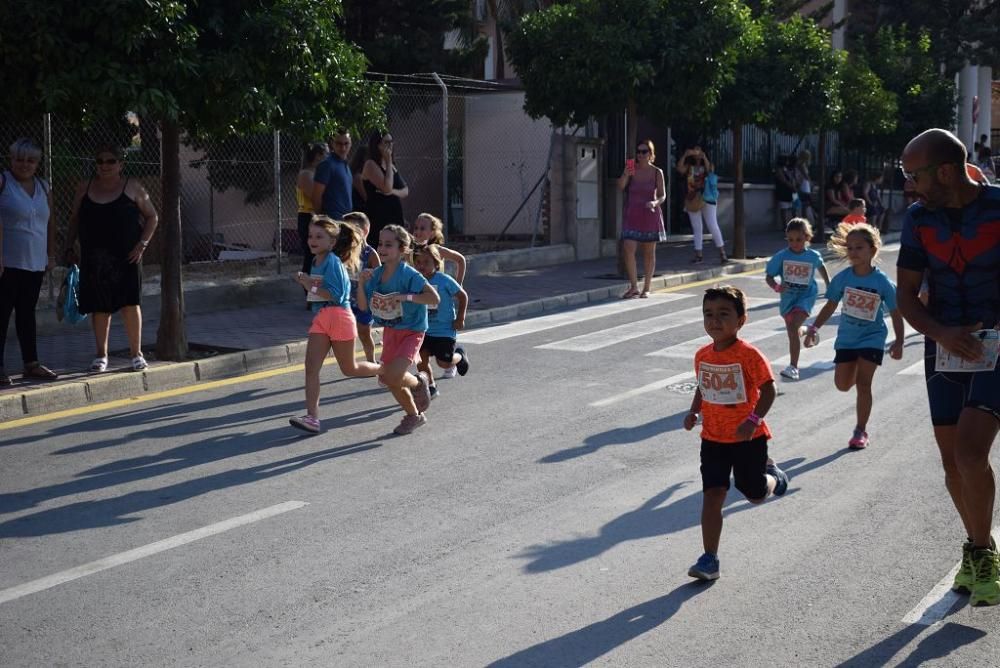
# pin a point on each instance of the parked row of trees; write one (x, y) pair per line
(723, 64)
(214, 69)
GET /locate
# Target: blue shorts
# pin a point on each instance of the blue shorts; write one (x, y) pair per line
(362, 317)
(950, 393)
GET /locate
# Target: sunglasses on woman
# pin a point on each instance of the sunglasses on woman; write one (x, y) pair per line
(642, 151)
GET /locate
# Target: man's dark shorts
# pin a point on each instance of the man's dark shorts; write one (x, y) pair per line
(441, 348)
(873, 355)
(950, 393)
(746, 462)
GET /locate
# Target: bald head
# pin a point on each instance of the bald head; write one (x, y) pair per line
(936, 146)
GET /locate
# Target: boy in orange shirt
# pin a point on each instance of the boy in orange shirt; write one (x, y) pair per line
(735, 392)
(857, 211)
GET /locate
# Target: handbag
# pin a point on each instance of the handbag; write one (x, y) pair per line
(68, 303)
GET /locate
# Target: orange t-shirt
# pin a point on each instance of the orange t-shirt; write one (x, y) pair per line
(854, 219)
(729, 382)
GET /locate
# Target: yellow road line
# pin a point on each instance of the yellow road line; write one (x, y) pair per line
(258, 375)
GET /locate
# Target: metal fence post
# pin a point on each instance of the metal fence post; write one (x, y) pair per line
(277, 192)
(444, 145)
(47, 151)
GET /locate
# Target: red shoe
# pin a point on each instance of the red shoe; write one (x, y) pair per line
(859, 441)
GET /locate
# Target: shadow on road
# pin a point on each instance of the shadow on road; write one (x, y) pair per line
(119, 510)
(945, 640)
(580, 647)
(618, 436)
(651, 519)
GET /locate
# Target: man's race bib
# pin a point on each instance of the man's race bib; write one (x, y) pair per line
(860, 304)
(385, 308)
(945, 361)
(797, 274)
(722, 384)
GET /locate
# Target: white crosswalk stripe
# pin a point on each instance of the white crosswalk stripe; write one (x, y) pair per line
(632, 330)
(655, 386)
(545, 322)
(915, 369)
(752, 332)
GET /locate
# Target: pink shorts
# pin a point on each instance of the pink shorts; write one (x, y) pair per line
(794, 312)
(335, 323)
(397, 343)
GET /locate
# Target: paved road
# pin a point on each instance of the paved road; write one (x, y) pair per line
(546, 516)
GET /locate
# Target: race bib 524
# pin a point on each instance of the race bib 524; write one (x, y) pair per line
(861, 304)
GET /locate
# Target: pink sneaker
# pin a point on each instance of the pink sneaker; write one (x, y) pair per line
(859, 441)
(305, 423)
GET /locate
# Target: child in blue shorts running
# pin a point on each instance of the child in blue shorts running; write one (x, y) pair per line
(796, 266)
(868, 295)
(369, 260)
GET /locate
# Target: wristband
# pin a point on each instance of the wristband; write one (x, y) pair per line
(811, 329)
(314, 289)
(753, 417)
(143, 242)
(776, 287)
(409, 298)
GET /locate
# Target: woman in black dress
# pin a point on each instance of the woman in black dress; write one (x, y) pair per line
(114, 221)
(384, 187)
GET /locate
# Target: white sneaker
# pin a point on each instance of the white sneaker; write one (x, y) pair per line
(450, 372)
(790, 372)
(139, 363)
(100, 364)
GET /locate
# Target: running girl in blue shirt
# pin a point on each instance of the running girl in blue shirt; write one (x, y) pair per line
(335, 246)
(398, 297)
(868, 295)
(443, 322)
(796, 266)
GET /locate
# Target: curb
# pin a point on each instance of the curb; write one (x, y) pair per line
(96, 390)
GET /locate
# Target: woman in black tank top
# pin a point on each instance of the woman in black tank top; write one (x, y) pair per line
(114, 220)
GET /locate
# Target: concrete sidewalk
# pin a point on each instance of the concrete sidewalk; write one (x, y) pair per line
(271, 336)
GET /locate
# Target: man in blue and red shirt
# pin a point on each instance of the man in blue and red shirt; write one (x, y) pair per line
(952, 232)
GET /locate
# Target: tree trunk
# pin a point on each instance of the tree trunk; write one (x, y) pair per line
(739, 229)
(171, 338)
(633, 132)
(820, 231)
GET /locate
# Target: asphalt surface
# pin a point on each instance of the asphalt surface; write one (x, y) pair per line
(539, 519)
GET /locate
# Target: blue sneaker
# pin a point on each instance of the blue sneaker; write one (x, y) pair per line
(782, 485)
(707, 567)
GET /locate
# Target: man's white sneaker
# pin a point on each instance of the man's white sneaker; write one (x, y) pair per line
(450, 372)
(790, 372)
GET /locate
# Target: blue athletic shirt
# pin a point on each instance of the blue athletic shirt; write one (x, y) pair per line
(405, 281)
(873, 295)
(335, 280)
(335, 174)
(961, 250)
(795, 292)
(441, 319)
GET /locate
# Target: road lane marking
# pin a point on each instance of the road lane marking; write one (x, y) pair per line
(933, 607)
(651, 387)
(586, 343)
(542, 323)
(915, 369)
(751, 332)
(50, 581)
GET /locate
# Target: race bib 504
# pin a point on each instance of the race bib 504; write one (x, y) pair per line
(722, 383)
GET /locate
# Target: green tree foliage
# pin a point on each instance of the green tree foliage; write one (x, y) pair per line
(214, 68)
(666, 59)
(961, 30)
(904, 63)
(408, 37)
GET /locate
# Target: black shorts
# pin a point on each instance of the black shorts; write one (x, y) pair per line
(746, 461)
(441, 348)
(873, 355)
(950, 393)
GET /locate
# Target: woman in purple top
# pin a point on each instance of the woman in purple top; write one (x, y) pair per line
(642, 225)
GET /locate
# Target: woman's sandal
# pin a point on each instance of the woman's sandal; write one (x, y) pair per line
(644, 294)
(36, 370)
(99, 365)
(631, 293)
